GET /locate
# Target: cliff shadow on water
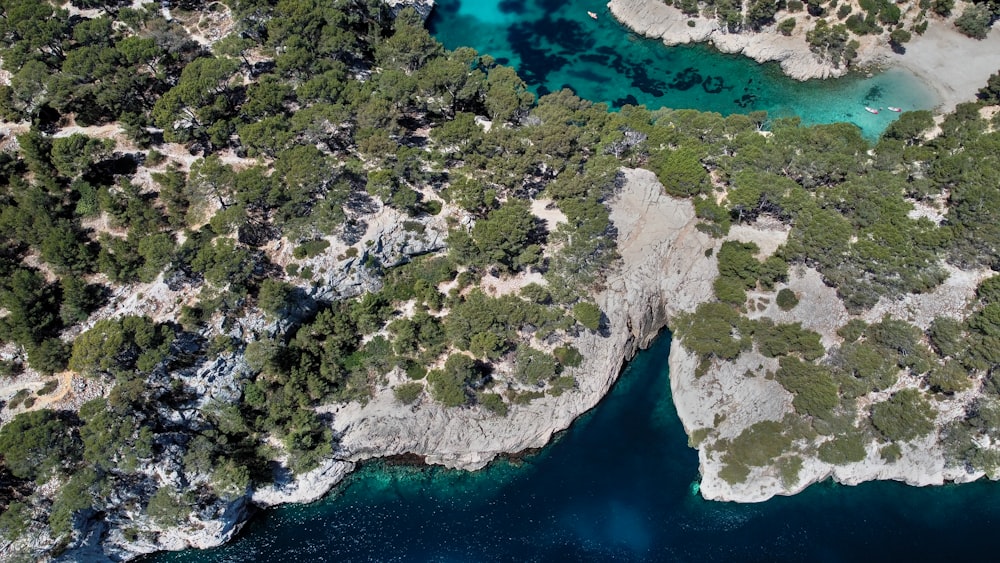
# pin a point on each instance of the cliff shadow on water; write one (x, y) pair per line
(555, 45)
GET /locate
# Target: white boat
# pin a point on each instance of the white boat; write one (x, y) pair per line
(871, 110)
(592, 15)
(895, 109)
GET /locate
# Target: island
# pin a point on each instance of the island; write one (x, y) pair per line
(249, 245)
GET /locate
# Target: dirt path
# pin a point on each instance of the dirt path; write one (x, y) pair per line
(65, 388)
(62, 390)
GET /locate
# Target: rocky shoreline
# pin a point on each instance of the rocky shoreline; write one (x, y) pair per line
(929, 56)
(665, 269)
(656, 20)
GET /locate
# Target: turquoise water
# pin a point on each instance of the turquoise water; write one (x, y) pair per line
(555, 44)
(620, 484)
(616, 487)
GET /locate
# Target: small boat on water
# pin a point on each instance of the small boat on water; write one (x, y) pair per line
(592, 15)
(895, 109)
(871, 110)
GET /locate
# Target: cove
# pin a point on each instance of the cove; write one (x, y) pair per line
(616, 486)
(554, 44)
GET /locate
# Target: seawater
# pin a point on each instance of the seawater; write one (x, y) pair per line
(620, 484)
(554, 44)
(617, 486)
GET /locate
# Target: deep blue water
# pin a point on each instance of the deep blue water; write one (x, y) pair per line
(615, 487)
(555, 44)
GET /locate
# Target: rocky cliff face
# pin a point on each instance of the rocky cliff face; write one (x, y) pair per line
(663, 271)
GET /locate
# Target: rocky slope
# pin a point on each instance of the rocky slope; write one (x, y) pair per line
(663, 271)
(728, 399)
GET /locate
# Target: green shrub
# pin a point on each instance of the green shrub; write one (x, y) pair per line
(76, 495)
(407, 393)
(786, 299)
(813, 387)
(730, 290)
(843, 449)
(415, 371)
(155, 158)
(891, 453)
(536, 294)
(50, 356)
(19, 398)
(534, 367)
(789, 468)
(49, 387)
(448, 385)
(852, 330)
(310, 248)
(493, 403)
(588, 314)
(230, 479)
(698, 436)
(974, 21)
(773, 269)
(14, 521)
(949, 378)
(738, 262)
(714, 330)
(169, 507)
(905, 416)
(900, 36)
(787, 25)
(872, 368)
(274, 297)
(758, 445)
(795, 5)
(734, 473)
(561, 384)
(525, 397)
(784, 339)
(35, 443)
(568, 356)
(946, 336)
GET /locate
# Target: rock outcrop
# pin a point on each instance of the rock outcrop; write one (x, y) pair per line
(422, 7)
(732, 396)
(663, 271)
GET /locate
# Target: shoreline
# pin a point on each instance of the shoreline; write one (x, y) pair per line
(929, 57)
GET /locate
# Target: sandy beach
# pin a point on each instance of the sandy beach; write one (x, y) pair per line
(954, 65)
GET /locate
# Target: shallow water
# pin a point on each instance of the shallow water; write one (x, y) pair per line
(616, 487)
(555, 44)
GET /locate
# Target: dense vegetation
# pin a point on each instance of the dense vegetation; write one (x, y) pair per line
(309, 117)
(150, 158)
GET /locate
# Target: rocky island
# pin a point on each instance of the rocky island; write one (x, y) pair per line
(236, 267)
